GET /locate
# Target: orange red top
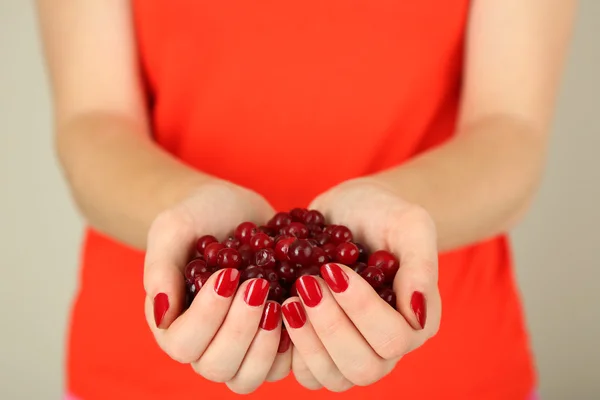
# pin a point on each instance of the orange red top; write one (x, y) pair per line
(289, 99)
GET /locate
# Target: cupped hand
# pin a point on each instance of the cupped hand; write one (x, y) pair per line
(228, 334)
(343, 332)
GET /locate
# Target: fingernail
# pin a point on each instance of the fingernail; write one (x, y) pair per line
(161, 306)
(335, 277)
(417, 304)
(294, 314)
(271, 316)
(309, 290)
(284, 342)
(256, 292)
(227, 282)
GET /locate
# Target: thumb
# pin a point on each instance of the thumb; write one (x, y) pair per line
(171, 240)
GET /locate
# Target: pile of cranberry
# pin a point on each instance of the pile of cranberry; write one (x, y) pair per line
(291, 244)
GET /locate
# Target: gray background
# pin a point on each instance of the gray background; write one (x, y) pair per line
(558, 269)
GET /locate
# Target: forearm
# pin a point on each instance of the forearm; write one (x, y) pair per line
(119, 178)
(478, 184)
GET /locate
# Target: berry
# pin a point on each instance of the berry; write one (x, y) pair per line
(229, 258)
(359, 267)
(205, 241)
(271, 275)
(323, 238)
(211, 252)
(280, 220)
(346, 253)
(247, 254)
(293, 290)
(296, 229)
(373, 276)
(282, 247)
(298, 214)
(251, 272)
(300, 252)
(330, 249)
(311, 270)
(276, 292)
(319, 257)
(386, 262)
(245, 231)
(314, 229)
(261, 241)
(388, 295)
(329, 229)
(266, 230)
(265, 258)
(313, 217)
(287, 272)
(232, 242)
(363, 252)
(341, 234)
(194, 268)
(199, 281)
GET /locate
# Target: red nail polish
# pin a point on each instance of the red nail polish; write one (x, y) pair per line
(294, 314)
(256, 292)
(161, 306)
(309, 290)
(335, 277)
(417, 304)
(227, 282)
(271, 316)
(284, 342)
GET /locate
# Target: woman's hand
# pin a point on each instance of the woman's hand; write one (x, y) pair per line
(343, 333)
(226, 336)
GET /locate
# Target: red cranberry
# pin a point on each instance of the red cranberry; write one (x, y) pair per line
(229, 258)
(265, 258)
(199, 281)
(359, 267)
(261, 241)
(247, 254)
(322, 238)
(346, 253)
(205, 241)
(287, 272)
(373, 276)
(313, 242)
(314, 217)
(329, 229)
(282, 247)
(311, 270)
(245, 231)
(271, 275)
(280, 220)
(388, 295)
(363, 252)
(252, 272)
(232, 242)
(341, 234)
(314, 229)
(276, 292)
(300, 252)
(194, 268)
(211, 252)
(386, 262)
(296, 229)
(266, 230)
(319, 257)
(298, 214)
(330, 250)
(293, 290)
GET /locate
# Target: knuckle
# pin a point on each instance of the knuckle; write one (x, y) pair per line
(179, 352)
(242, 387)
(337, 384)
(330, 327)
(366, 374)
(394, 347)
(215, 372)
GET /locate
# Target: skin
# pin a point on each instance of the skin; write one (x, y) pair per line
(471, 188)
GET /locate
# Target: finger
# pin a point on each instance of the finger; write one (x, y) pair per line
(416, 282)
(283, 361)
(262, 352)
(170, 243)
(311, 349)
(353, 356)
(302, 372)
(386, 331)
(223, 357)
(190, 334)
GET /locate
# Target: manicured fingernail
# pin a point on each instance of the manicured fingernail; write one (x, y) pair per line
(271, 316)
(161, 306)
(284, 342)
(417, 304)
(294, 314)
(309, 290)
(256, 292)
(335, 277)
(227, 282)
